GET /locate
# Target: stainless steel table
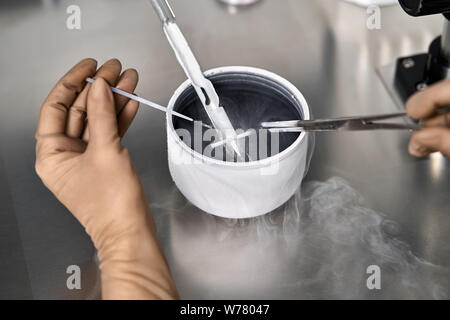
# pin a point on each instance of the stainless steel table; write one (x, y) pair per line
(321, 46)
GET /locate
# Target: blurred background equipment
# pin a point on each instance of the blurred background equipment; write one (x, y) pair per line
(367, 3)
(418, 71)
(239, 2)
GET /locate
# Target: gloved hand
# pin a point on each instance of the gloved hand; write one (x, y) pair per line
(431, 107)
(82, 162)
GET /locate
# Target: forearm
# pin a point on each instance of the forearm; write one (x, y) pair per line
(133, 266)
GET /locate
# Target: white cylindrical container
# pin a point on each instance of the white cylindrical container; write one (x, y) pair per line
(239, 190)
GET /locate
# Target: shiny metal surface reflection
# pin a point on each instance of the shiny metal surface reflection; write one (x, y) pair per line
(324, 48)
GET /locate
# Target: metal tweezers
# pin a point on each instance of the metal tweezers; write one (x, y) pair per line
(342, 124)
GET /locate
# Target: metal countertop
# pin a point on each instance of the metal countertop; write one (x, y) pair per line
(324, 48)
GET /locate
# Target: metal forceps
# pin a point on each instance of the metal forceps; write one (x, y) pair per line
(342, 124)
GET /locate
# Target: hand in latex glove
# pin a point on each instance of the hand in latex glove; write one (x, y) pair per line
(431, 107)
(85, 166)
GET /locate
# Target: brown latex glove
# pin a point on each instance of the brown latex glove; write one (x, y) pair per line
(431, 107)
(85, 166)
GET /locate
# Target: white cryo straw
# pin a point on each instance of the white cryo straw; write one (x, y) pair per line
(147, 102)
(221, 143)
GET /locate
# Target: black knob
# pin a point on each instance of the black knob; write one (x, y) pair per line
(425, 7)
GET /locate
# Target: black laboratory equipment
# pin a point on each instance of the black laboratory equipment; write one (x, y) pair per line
(416, 72)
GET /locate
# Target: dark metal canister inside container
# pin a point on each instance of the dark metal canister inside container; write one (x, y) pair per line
(249, 99)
